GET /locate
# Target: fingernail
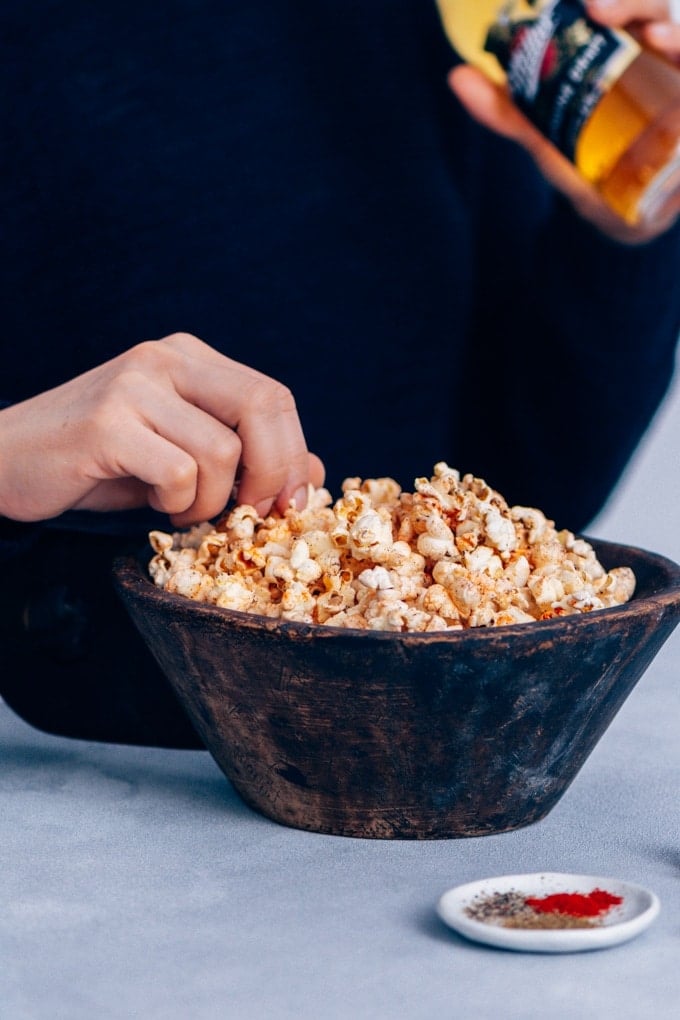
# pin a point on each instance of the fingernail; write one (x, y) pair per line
(300, 497)
(263, 507)
(660, 32)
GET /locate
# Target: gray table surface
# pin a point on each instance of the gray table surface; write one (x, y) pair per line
(135, 883)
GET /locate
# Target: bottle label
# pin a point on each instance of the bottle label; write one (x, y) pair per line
(558, 63)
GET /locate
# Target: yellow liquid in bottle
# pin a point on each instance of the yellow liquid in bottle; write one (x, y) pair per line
(631, 143)
(629, 147)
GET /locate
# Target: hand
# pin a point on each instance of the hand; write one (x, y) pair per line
(170, 423)
(650, 20)
(493, 107)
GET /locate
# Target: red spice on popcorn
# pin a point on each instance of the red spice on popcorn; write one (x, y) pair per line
(449, 556)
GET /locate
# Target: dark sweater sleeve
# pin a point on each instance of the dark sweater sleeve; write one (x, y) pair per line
(573, 351)
(15, 536)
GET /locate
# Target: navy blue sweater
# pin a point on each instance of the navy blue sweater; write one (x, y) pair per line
(293, 182)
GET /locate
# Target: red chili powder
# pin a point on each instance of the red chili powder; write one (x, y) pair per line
(575, 904)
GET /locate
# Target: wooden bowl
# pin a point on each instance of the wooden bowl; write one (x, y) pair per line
(418, 736)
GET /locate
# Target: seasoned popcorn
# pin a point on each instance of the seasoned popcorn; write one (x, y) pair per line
(449, 556)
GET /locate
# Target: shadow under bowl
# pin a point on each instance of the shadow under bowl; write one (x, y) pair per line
(412, 736)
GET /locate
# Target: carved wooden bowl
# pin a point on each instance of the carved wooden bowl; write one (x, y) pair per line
(418, 736)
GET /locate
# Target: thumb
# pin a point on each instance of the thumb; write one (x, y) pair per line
(492, 106)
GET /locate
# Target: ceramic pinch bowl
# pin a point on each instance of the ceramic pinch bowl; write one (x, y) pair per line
(637, 908)
(405, 735)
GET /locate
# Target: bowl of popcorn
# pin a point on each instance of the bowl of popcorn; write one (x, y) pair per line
(426, 664)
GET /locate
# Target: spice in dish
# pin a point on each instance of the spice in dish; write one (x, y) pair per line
(559, 910)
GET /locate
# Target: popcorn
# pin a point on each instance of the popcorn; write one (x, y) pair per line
(449, 556)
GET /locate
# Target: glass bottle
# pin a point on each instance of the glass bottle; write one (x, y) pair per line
(611, 106)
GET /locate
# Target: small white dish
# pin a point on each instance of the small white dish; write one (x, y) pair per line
(639, 907)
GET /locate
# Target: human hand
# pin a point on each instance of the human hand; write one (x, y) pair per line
(493, 107)
(656, 23)
(170, 423)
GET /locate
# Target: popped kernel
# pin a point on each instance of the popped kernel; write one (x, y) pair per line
(449, 556)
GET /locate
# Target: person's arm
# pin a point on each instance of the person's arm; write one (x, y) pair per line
(15, 537)
(578, 314)
(171, 424)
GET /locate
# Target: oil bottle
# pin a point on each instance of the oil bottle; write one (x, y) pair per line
(608, 104)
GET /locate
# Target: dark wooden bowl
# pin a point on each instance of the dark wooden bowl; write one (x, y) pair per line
(388, 735)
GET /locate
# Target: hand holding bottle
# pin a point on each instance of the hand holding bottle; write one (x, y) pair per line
(659, 21)
(615, 153)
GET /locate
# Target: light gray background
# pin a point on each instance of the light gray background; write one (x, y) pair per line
(135, 883)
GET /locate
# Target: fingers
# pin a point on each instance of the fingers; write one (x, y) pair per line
(274, 462)
(623, 12)
(493, 107)
(266, 478)
(138, 452)
(317, 471)
(202, 452)
(490, 104)
(663, 36)
(169, 422)
(170, 483)
(225, 417)
(656, 23)
(117, 493)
